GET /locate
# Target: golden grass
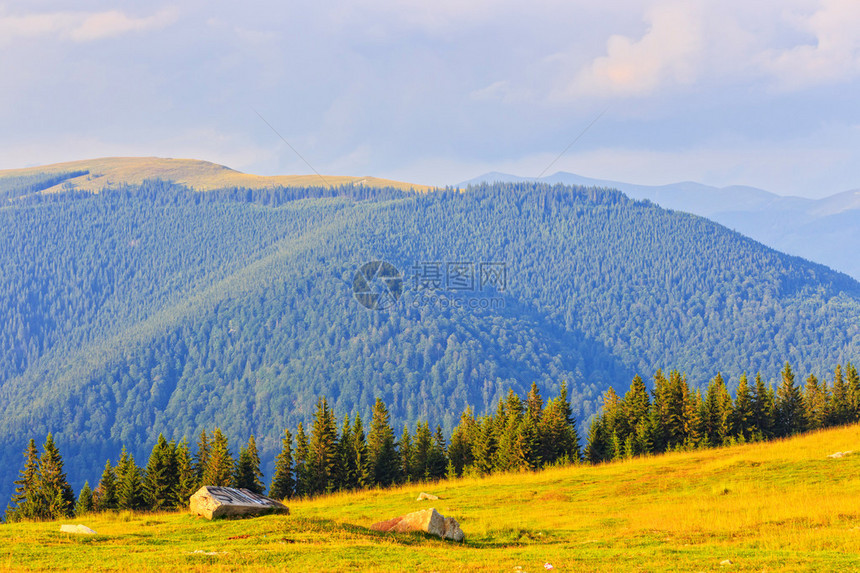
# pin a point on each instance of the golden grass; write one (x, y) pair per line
(200, 175)
(780, 506)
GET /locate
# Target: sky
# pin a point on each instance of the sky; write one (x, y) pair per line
(721, 92)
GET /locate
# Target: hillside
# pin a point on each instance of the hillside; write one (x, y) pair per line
(153, 308)
(822, 230)
(97, 174)
(779, 506)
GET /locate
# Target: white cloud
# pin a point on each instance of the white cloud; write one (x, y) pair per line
(115, 23)
(832, 56)
(80, 26)
(670, 52)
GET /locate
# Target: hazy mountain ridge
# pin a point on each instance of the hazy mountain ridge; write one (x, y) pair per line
(825, 230)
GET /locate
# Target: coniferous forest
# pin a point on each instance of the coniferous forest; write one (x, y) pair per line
(523, 434)
(155, 309)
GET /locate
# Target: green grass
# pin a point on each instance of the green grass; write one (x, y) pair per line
(782, 506)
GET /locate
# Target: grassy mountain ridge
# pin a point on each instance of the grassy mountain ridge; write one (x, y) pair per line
(776, 506)
(176, 310)
(108, 172)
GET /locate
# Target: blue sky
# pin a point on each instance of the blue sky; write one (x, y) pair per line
(721, 92)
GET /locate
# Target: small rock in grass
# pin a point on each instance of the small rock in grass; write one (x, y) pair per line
(726, 562)
(429, 496)
(427, 520)
(76, 529)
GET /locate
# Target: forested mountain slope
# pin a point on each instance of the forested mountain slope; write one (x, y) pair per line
(154, 308)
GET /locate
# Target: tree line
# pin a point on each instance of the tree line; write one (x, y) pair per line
(672, 416)
(524, 434)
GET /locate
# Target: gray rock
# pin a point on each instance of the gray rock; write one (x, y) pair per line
(422, 496)
(427, 520)
(76, 529)
(726, 562)
(213, 502)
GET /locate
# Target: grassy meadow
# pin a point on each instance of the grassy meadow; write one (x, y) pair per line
(779, 506)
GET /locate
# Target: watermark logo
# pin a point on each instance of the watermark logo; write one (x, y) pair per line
(377, 285)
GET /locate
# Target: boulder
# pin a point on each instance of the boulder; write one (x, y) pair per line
(76, 529)
(428, 520)
(213, 502)
(422, 496)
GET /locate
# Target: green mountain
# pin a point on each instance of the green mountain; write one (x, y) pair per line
(155, 308)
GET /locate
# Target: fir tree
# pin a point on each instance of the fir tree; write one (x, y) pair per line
(362, 456)
(219, 464)
(742, 413)
(55, 495)
(381, 447)
(104, 497)
(597, 447)
(283, 484)
(25, 500)
(85, 500)
(421, 452)
(187, 481)
(129, 483)
(161, 479)
(437, 459)
(407, 455)
(716, 420)
(852, 379)
(816, 403)
(763, 409)
(790, 417)
(462, 438)
(484, 448)
(323, 450)
(201, 459)
(841, 402)
(302, 456)
(345, 471)
(247, 473)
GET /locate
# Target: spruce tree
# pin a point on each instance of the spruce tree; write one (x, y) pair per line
(323, 450)
(742, 413)
(201, 459)
(382, 450)
(462, 439)
(421, 452)
(303, 488)
(597, 447)
(219, 464)
(104, 497)
(247, 473)
(816, 403)
(406, 450)
(534, 404)
(56, 498)
(161, 479)
(763, 409)
(437, 459)
(187, 480)
(283, 484)
(129, 483)
(841, 401)
(25, 499)
(852, 379)
(85, 500)
(345, 471)
(362, 456)
(717, 416)
(790, 417)
(484, 448)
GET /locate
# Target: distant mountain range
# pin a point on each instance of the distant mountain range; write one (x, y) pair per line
(822, 230)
